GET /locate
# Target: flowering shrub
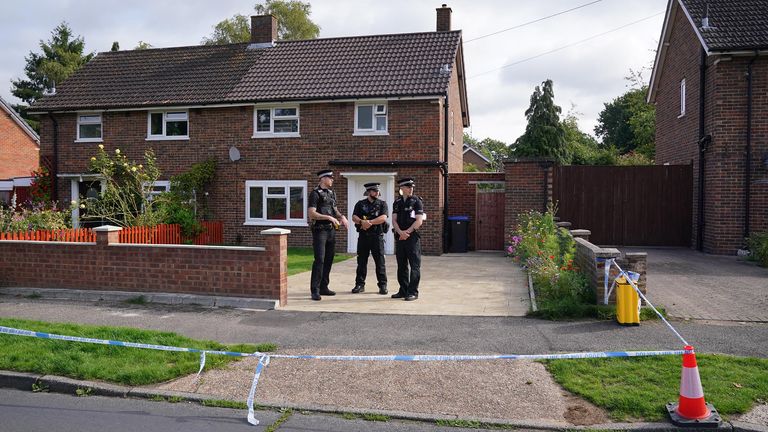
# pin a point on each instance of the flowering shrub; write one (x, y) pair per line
(125, 200)
(42, 186)
(42, 216)
(547, 252)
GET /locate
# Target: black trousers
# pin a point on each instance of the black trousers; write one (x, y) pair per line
(408, 253)
(370, 244)
(324, 245)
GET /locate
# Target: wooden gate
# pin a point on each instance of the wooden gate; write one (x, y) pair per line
(490, 219)
(627, 205)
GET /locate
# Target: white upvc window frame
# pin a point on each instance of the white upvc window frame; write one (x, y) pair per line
(682, 98)
(375, 112)
(87, 118)
(272, 117)
(151, 188)
(164, 136)
(265, 185)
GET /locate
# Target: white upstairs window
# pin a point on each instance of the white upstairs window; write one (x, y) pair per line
(89, 128)
(168, 125)
(371, 118)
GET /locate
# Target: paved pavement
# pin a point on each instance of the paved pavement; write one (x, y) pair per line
(695, 285)
(471, 284)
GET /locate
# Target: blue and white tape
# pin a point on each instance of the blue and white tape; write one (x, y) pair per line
(264, 358)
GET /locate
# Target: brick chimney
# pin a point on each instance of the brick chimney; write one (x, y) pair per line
(263, 29)
(444, 18)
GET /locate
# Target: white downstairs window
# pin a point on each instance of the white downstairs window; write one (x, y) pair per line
(276, 202)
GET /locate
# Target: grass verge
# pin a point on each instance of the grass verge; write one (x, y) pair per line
(639, 388)
(300, 259)
(571, 310)
(122, 365)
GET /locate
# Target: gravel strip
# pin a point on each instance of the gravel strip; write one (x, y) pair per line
(499, 389)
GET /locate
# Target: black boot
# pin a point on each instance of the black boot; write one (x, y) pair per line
(358, 289)
(383, 289)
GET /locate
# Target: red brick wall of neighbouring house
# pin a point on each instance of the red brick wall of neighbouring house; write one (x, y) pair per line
(528, 187)
(463, 190)
(725, 120)
(233, 272)
(19, 153)
(326, 134)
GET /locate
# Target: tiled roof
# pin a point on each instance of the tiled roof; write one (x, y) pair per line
(733, 24)
(409, 64)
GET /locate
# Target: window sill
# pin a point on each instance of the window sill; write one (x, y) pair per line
(276, 223)
(358, 133)
(170, 138)
(89, 140)
(273, 135)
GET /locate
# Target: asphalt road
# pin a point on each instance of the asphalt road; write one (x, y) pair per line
(401, 334)
(22, 411)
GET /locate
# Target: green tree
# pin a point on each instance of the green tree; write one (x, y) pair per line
(544, 135)
(293, 23)
(61, 56)
(115, 46)
(581, 147)
(628, 123)
(143, 45)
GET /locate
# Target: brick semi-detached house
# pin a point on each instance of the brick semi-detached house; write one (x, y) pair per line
(19, 152)
(710, 87)
(373, 108)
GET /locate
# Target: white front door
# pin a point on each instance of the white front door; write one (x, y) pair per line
(355, 189)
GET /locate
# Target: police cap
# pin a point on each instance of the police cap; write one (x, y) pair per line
(325, 173)
(406, 182)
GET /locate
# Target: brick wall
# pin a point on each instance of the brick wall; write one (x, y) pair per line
(463, 202)
(528, 187)
(19, 154)
(725, 120)
(109, 265)
(586, 260)
(326, 134)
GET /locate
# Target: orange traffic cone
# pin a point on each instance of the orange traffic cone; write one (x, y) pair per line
(691, 410)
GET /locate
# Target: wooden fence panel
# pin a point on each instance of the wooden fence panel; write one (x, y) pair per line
(627, 205)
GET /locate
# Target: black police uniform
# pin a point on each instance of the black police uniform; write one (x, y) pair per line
(370, 241)
(408, 252)
(323, 241)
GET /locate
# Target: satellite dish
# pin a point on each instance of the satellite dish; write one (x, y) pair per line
(234, 154)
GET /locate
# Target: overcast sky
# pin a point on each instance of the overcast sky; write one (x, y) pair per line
(586, 75)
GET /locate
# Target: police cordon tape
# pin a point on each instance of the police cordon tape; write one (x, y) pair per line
(264, 358)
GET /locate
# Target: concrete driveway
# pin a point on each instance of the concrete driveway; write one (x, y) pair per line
(470, 284)
(694, 285)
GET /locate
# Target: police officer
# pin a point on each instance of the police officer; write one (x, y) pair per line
(370, 219)
(407, 217)
(326, 219)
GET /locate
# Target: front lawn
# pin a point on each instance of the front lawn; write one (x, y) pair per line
(123, 365)
(300, 259)
(639, 388)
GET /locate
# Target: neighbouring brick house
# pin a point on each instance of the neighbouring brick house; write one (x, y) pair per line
(710, 88)
(19, 152)
(474, 157)
(373, 108)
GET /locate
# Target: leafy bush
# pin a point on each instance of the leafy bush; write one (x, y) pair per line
(548, 251)
(36, 218)
(126, 199)
(758, 245)
(42, 186)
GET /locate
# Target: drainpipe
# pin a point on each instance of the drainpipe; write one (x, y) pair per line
(445, 174)
(55, 170)
(704, 141)
(748, 162)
